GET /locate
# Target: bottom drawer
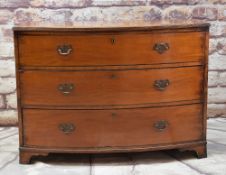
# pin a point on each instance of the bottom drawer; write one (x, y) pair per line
(112, 128)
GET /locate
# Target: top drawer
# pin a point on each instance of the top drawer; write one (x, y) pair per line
(80, 49)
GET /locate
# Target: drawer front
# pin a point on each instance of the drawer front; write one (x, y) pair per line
(112, 128)
(110, 49)
(100, 88)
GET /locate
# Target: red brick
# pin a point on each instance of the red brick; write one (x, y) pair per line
(118, 2)
(60, 4)
(6, 34)
(212, 46)
(5, 16)
(153, 14)
(221, 47)
(2, 102)
(57, 16)
(177, 13)
(172, 2)
(209, 13)
(222, 14)
(223, 30)
(14, 3)
(222, 1)
(25, 16)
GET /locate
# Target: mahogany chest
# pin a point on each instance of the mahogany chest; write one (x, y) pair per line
(112, 88)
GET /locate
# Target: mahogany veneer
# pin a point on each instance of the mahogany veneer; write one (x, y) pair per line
(97, 48)
(122, 87)
(112, 128)
(112, 88)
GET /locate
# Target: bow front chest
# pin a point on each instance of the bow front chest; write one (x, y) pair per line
(114, 88)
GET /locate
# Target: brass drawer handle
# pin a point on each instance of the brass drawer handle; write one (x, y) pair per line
(161, 47)
(161, 84)
(66, 88)
(64, 49)
(161, 125)
(66, 128)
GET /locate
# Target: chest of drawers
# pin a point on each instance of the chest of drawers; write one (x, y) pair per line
(116, 88)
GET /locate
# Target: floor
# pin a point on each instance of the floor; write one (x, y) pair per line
(152, 163)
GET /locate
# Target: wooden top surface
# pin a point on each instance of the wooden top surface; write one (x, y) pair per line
(90, 26)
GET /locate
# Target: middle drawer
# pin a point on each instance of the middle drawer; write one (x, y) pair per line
(101, 88)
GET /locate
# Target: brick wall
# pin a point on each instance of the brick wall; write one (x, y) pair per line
(62, 11)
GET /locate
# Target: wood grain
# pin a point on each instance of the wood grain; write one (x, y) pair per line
(111, 87)
(114, 104)
(97, 49)
(133, 25)
(109, 128)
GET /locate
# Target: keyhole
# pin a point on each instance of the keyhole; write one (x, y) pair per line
(113, 114)
(113, 41)
(113, 76)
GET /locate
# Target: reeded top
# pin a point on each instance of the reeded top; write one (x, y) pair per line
(101, 25)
